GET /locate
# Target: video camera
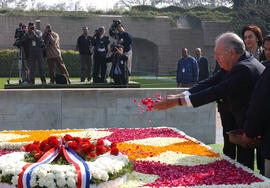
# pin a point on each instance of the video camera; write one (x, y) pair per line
(49, 29)
(31, 26)
(20, 31)
(113, 31)
(113, 47)
(98, 32)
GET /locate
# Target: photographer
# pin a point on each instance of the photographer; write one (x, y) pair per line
(23, 52)
(119, 71)
(124, 38)
(35, 44)
(84, 45)
(53, 54)
(100, 43)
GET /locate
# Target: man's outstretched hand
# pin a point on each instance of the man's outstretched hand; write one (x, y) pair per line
(167, 102)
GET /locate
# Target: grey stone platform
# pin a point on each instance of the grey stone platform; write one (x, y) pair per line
(25, 109)
(74, 84)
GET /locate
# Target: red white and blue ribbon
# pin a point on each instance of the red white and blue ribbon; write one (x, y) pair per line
(82, 170)
(83, 174)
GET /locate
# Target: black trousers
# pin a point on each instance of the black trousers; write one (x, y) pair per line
(228, 124)
(36, 57)
(100, 67)
(244, 156)
(120, 80)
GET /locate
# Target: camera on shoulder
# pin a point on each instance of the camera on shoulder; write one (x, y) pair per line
(49, 29)
(113, 30)
(19, 33)
(116, 23)
(98, 32)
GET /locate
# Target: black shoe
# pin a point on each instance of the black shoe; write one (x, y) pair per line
(88, 79)
(82, 80)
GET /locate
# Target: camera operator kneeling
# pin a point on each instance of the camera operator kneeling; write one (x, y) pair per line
(119, 72)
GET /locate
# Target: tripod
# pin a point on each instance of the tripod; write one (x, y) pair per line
(17, 59)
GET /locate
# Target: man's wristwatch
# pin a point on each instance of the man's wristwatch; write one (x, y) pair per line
(179, 101)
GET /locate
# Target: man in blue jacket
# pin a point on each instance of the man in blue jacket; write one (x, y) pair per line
(187, 70)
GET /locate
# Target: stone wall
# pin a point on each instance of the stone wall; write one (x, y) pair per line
(163, 42)
(99, 108)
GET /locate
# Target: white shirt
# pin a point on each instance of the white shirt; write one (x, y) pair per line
(187, 99)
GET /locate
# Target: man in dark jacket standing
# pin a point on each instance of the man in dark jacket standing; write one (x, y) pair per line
(257, 122)
(100, 43)
(84, 45)
(202, 64)
(33, 39)
(235, 87)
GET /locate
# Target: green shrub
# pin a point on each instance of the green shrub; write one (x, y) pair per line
(114, 12)
(148, 12)
(199, 8)
(144, 8)
(4, 10)
(99, 12)
(222, 9)
(71, 59)
(173, 9)
(7, 57)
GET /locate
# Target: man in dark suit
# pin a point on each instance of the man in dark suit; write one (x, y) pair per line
(202, 64)
(227, 121)
(84, 45)
(234, 87)
(257, 122)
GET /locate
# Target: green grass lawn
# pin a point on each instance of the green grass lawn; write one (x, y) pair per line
(145, 83)
(154, 83)
(219, 147)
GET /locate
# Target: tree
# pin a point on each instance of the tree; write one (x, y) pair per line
(253, 13)
(131, 3)
(180, 3)
(193, 3)
(21, 3)
(13, 3)
(41, 6)
(238, 4)
(5, 3)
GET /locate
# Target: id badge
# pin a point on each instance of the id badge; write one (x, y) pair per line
(34, 43)
(183, 70)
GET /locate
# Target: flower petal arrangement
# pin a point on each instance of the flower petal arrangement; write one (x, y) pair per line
(79, 161)
(161, 157)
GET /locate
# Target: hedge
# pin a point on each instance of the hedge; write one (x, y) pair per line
(173, 9)
(144, 8)
(8, 57)
(178, 9)
(222, 9)
(140, 11)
